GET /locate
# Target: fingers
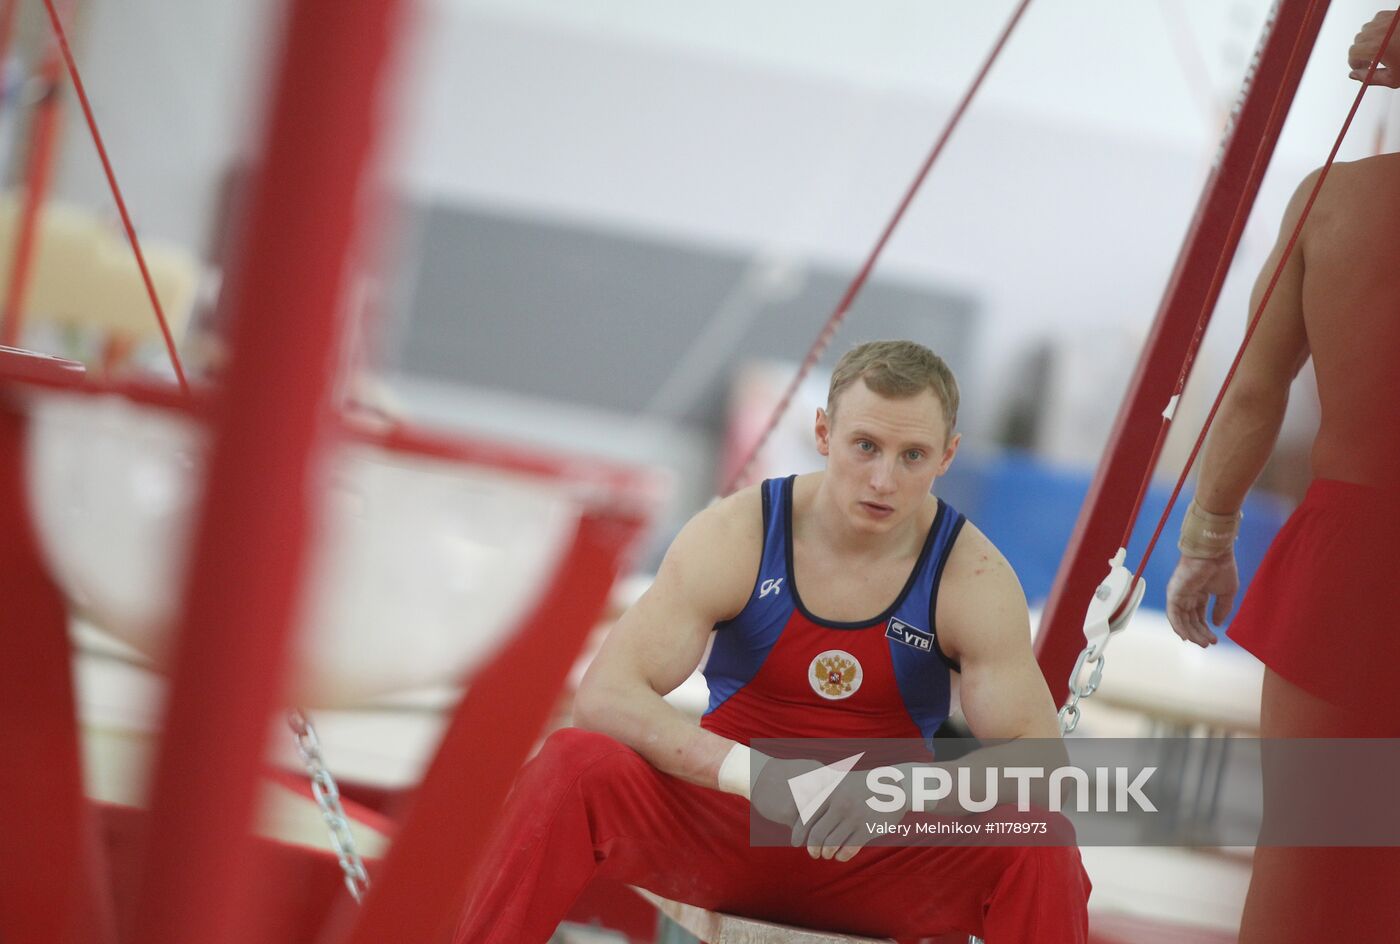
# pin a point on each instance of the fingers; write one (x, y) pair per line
(1187, 614)
(848, 852)
(1366, 47)
(801, 831)
(842, 839)
(831, 836)
(1177, 618)
(813, 834)
(1224, 603)
(1390, 78)
(1200, 632)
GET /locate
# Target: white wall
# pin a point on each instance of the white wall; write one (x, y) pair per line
(785, 126)
(1061, 203)
(175, 88)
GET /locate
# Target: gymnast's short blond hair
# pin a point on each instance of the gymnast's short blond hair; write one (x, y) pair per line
(896, 369)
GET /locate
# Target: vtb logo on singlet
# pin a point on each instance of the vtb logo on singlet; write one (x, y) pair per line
(902, 632)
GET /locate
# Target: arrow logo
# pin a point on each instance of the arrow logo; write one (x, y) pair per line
(810, 790)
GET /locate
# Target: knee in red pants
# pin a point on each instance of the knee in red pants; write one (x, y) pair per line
(1043, 888)
(570, 751)
(542, 855)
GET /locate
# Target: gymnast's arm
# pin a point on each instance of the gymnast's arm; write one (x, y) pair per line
(706, 577)
(1241, 440)
(1251, 414)
(984, 626)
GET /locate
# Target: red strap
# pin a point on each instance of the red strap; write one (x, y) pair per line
(842, 307)
(62, 38)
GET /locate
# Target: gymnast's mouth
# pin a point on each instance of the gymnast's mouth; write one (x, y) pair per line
(877, 509)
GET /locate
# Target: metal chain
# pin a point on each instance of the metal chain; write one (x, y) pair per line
(1069, 714)
(327, 796)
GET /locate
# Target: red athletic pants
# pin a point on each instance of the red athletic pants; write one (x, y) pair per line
(588, 806)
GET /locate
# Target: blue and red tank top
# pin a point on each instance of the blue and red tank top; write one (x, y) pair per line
(776, 670)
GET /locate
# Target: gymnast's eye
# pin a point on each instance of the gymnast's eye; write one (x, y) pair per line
(865, 445)
(914, 455)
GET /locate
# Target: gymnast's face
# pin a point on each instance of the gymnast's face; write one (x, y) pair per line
(882, 454)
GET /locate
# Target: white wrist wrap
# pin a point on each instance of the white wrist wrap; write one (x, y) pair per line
(738, 769)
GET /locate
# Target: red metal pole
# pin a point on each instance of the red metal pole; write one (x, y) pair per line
(420, 889)
(1232, 187)
(51, 883)
(261, 497)
(8, 9)
(38, 175)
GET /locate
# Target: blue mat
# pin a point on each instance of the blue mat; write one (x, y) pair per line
(1029, 508)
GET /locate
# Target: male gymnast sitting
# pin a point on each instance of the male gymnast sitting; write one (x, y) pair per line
(801, 582)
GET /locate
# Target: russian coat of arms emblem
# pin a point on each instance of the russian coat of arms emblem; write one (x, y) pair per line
(835, 674)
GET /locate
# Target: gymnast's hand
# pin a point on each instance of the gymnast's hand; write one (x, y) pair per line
(845, 823)
(1193, 583)
(1368, 43)
(772, 797)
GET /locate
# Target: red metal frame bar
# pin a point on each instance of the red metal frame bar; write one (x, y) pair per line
(259, 505)
(8, 9)
(595, 483)
(1231, 190)
(419, 889)
(53, 887)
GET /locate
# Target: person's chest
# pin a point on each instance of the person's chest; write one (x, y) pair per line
(848, 589)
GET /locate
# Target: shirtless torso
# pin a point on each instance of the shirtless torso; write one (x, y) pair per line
(1351, 315)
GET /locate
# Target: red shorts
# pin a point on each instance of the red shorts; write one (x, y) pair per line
(1323, 610)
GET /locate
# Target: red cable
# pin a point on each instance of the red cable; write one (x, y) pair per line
(62, 38)
(842, 307)
(1258, 314)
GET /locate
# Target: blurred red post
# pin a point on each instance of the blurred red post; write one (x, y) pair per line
(52, 888)
(259, 511)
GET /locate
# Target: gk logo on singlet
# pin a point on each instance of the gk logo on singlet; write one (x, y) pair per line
(770, 586)
(900, 631)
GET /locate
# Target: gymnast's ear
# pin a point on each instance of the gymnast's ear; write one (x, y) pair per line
(823, 431)
(949, 451)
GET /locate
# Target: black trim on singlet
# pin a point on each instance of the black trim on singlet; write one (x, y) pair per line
(937, 583)
(893, 607)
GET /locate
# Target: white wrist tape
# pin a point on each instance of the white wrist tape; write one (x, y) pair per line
(738, 769)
